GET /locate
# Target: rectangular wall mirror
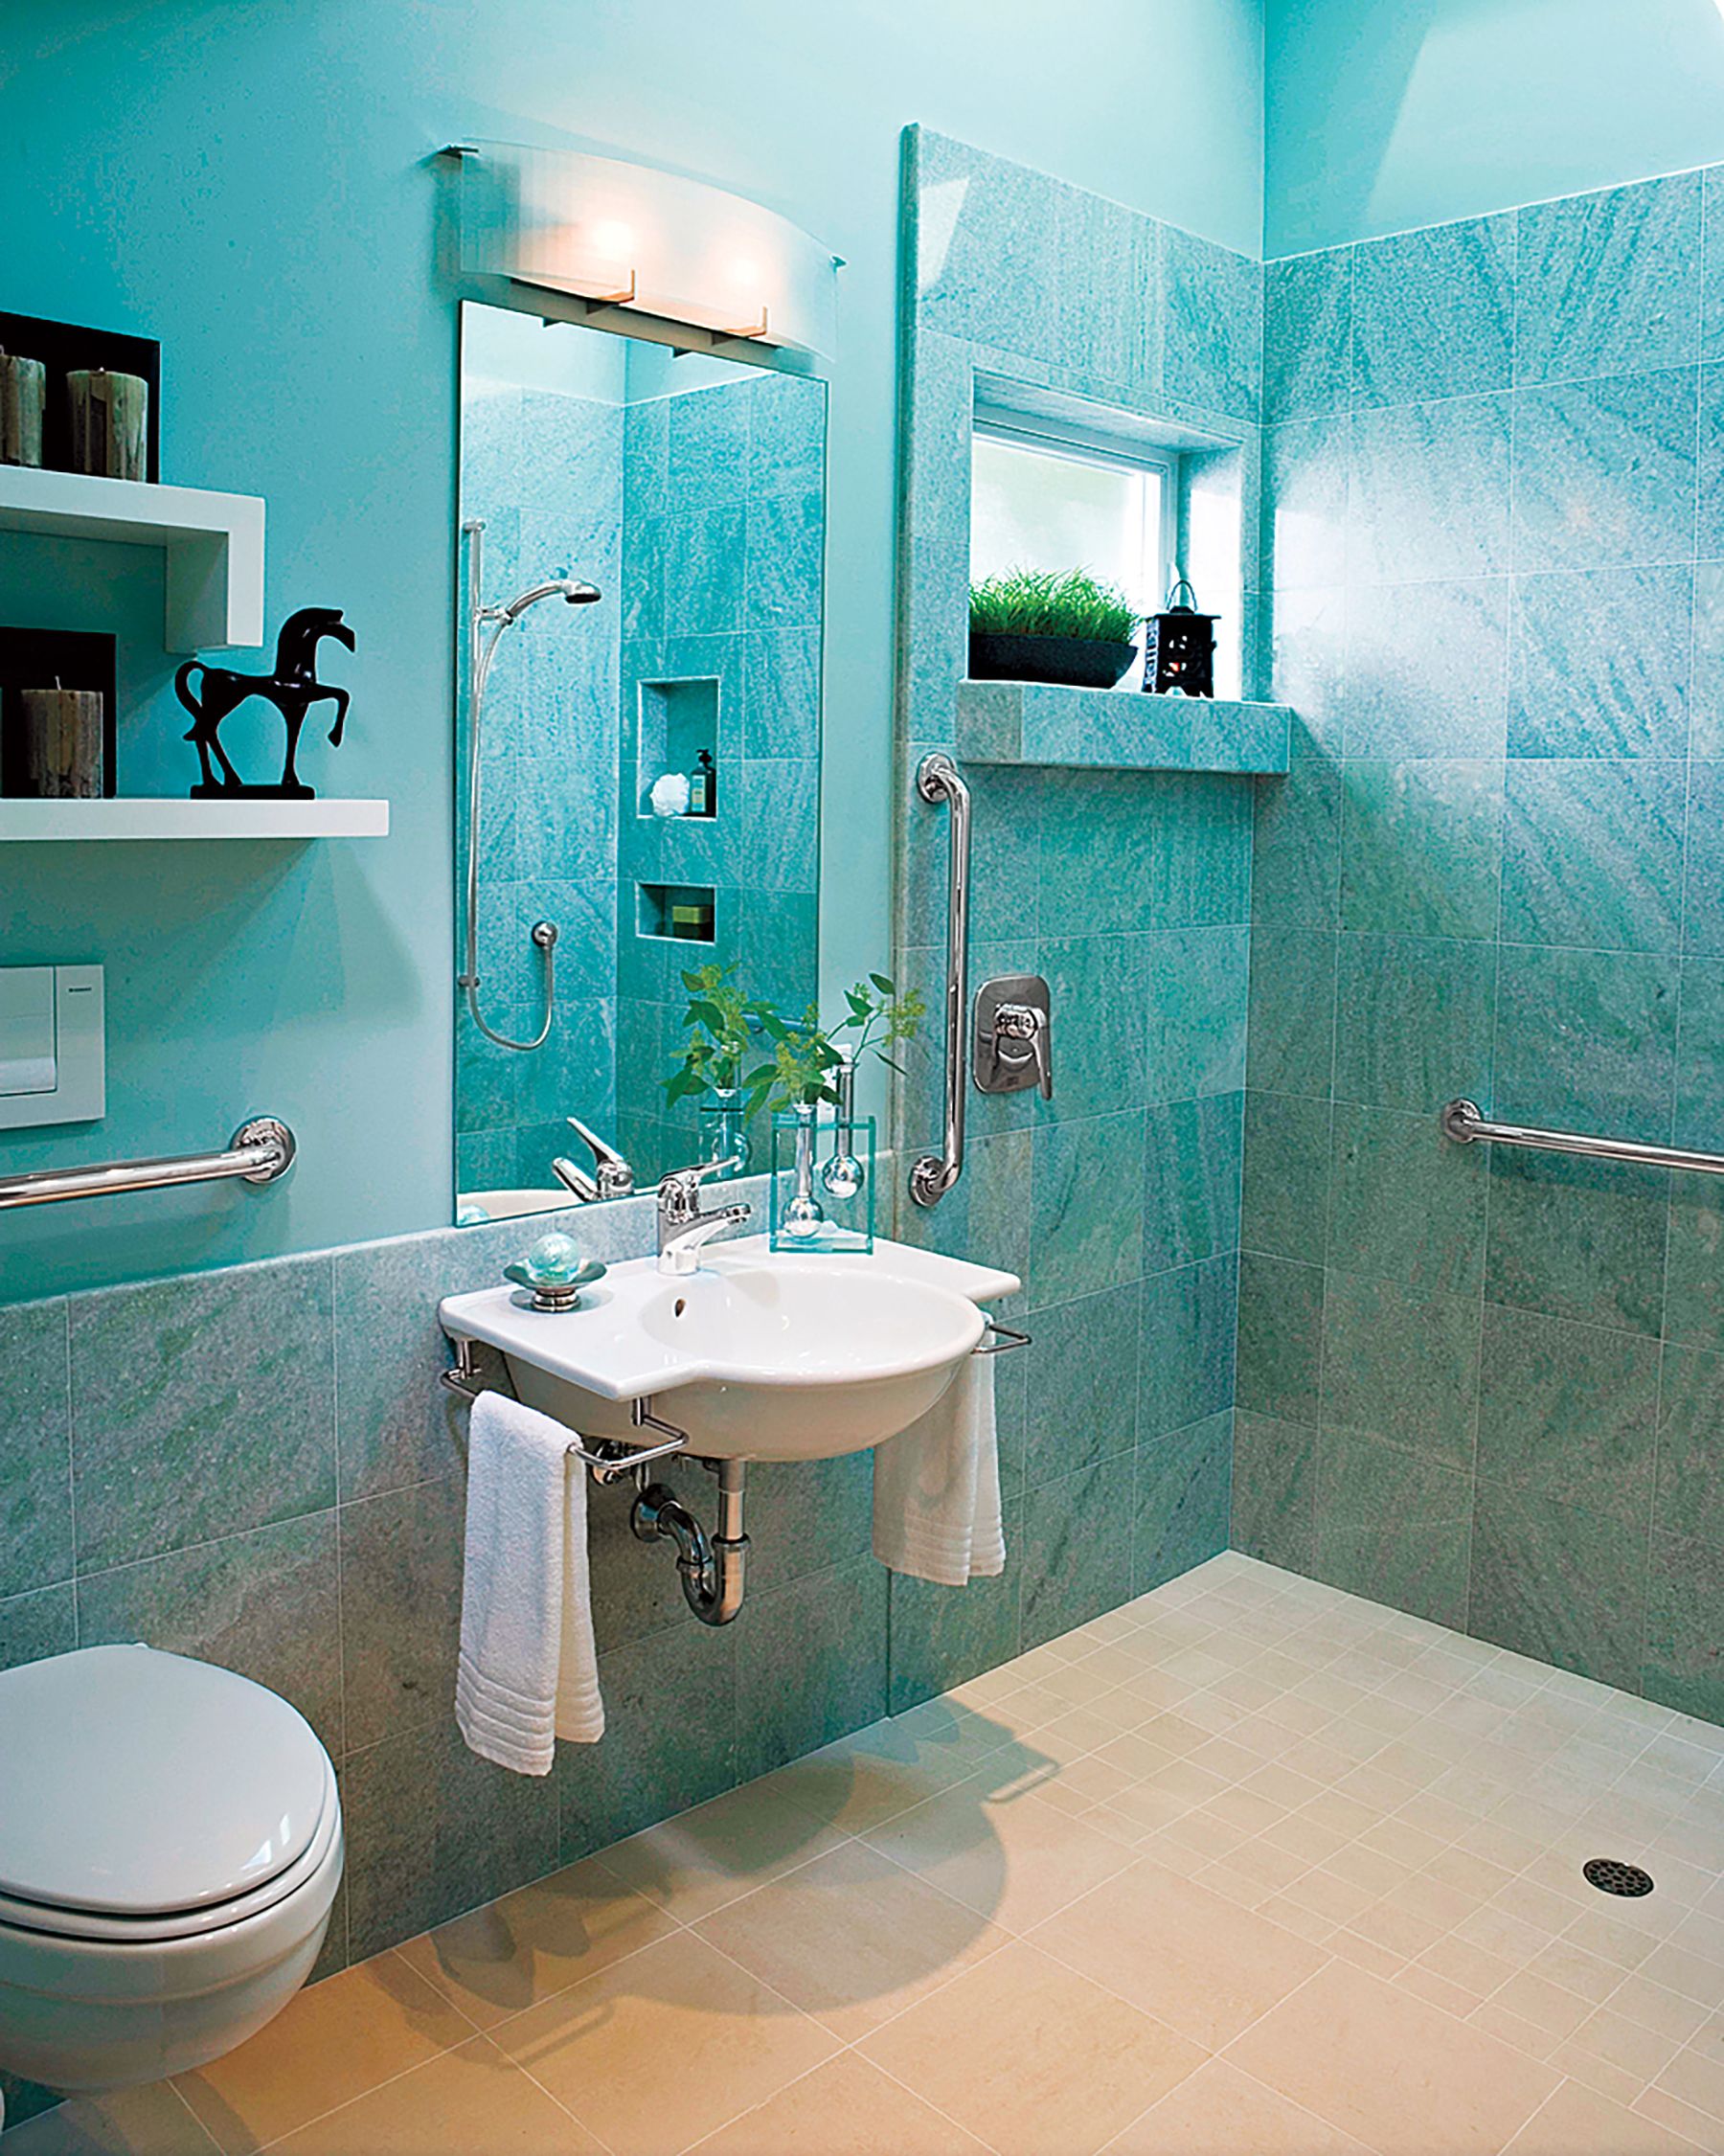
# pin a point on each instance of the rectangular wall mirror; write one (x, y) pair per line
(649, 759)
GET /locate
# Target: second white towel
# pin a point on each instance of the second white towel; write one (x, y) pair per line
(528, 1673)
(936, 1487)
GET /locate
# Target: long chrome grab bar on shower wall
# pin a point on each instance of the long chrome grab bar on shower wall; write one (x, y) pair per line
(259, 1151)
(937, 779)
(1463, 1121)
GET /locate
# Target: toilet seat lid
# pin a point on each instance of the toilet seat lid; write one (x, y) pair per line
(137, 1782)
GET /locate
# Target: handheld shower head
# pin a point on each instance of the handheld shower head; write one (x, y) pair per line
(570, 588)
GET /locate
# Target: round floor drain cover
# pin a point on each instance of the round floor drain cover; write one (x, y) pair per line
(1610, 1876)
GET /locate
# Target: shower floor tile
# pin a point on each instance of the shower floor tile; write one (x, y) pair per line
(1248, 1867)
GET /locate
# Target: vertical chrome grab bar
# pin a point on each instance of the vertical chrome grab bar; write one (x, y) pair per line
(937, 779)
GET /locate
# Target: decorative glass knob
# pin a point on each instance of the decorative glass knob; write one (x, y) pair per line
(555, 1272)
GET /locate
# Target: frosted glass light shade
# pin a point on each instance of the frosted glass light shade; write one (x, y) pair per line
(632, 238)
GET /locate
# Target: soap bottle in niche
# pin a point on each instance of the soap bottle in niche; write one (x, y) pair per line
(703, 787)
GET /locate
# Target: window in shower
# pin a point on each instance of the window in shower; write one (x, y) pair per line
(1048, 501)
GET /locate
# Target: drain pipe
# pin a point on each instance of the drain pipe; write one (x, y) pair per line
(712, 1569)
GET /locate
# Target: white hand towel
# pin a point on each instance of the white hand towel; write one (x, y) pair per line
(936, 1487)
(528, 1673)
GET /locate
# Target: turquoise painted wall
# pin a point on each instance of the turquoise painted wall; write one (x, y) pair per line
(1385, 116)
(1490, 1389)
(253, 186)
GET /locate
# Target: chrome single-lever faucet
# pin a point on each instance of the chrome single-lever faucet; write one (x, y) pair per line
(612, 1176)
(683, 1228)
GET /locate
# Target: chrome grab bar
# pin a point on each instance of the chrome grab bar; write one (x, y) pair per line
(259, 1151)
(1464, 1122)
(937, 779)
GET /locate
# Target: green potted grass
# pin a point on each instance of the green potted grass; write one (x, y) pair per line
(1035, 624)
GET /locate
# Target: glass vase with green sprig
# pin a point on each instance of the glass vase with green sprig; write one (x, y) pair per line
(814, 1069)
(724, 1029)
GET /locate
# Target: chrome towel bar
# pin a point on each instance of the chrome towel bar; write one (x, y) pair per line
(1464, 1121)
(259, 1151)
(937, 779)
(1007, 1337)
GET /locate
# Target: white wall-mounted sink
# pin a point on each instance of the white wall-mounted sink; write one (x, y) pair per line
(758, 1355)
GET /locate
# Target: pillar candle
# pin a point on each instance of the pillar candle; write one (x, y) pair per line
(109, 415)
(23, 401)
(60, 733)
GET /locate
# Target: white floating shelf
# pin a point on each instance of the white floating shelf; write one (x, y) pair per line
(214, 542)
(23, 821)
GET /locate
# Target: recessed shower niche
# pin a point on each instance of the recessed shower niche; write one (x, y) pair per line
(676, 724)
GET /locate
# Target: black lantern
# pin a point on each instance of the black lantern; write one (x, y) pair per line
(1179, 648)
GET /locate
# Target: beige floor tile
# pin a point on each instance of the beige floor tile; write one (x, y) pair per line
(1695, 2076)
(862, 1780)
(1222, 2112)
(1030, 2057)
(1515, 2030)
(147, 2122)
(1194, 1959)
(1425, 1984)
(852, 1938)
(1694, 2126)
(1400, 2075)
(1655, 2007)
(1545, 2004)
(1605, 2036)
(332, 2043)
(1472, 1967)
(695, 1864)
(469, 2102)
(664, 2047)
(1691, 1974)
(497, 1961)
(1564, 1962)
(1014, 1859)
(1577, 2122)
(846, 2107)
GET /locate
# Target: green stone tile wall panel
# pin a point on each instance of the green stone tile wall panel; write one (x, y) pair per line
(1182, 1501)
(1689, 1496)
(266, 1603)
(1685, 1656)
(35, 1447)
(1274, 1490)
(1188, 1327)
(201, 1406)
(1285, 1206)
(1558, 1582)
(650, 1764)
(1601, 662)
(1402, 1367)
(815, 1667)
(1414, 1021)
(1570, 1411)
(1495, 553)
(1393, 1526)
(1405, 1203)
(1078, 1548)
(1193, 1154)
(1292, 1010)
(1578, 1239)
(942, 1636)
(1083, 1377)
(1281, 1337)
(42, 1622)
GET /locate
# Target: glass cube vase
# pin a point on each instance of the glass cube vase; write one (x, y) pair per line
(823, 1181)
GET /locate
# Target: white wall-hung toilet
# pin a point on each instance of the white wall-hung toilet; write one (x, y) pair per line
(171, 1846)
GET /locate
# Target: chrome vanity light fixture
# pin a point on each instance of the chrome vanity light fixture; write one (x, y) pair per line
(482, 649)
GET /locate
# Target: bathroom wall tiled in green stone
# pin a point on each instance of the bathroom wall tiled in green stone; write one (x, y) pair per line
(1118, 1200)
(1493, 1391)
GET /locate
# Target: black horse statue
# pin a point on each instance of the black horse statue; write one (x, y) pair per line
(293, 687)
